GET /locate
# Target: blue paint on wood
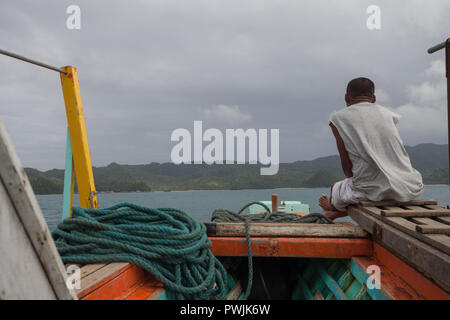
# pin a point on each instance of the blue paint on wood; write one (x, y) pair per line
(345, 278)
(162, 296)
(360, 274)
(68, 174)
(302, 291)
(354, 290)
(306, 292)
(330, 282)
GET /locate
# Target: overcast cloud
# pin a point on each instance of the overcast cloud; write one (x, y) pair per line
(149, 67)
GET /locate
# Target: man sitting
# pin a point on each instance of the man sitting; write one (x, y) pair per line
(372, 154)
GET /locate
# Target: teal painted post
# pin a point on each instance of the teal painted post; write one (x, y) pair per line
(68, 169)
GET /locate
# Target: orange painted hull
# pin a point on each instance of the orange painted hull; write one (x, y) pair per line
(399, 280)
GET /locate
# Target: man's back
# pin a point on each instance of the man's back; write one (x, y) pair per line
(381, 167)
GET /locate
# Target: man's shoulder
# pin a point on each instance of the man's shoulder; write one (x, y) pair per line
(336, 115)
(348, 113)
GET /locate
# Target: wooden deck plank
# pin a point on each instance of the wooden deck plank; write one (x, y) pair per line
(416, 202)
(90, 268)
(432, 262)
(439, 241)
(445, 220)
(148, 291)
(119, 281)
(96, 279)
(119, 285)
(415, 211)
(431, 226)
(336, 230)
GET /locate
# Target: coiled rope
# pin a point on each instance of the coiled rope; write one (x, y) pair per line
(166, 242)
(225, 215)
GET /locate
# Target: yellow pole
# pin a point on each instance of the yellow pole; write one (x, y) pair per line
(78, 138)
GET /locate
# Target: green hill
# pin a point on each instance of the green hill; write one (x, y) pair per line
(430, 159)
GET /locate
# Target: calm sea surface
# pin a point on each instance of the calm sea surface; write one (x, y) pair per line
(200, 204)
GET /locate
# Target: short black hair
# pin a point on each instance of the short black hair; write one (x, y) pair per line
(361, 87)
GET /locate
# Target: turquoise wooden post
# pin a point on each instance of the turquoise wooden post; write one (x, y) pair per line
(68, 180)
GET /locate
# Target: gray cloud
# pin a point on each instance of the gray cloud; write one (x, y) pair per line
(149, 67)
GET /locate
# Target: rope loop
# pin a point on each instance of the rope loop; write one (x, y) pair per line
(165, 241)
(225, 215)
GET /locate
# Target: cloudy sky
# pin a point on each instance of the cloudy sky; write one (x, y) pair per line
(149, 67)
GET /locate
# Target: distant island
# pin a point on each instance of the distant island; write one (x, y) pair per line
(430, 159)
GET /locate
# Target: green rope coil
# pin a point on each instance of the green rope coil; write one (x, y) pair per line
(166, 242)
(225, 215)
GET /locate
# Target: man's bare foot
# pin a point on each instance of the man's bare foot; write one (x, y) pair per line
(324, 203)
(334, 214)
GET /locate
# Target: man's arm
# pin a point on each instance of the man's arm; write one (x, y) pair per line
(345, 160)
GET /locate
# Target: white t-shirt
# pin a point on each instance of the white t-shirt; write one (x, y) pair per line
(381, 169)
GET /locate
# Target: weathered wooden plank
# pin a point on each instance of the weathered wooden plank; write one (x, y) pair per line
(97, 278)
(435, 207)
(286, 230)
(318, 295)
(90, 268)
(431, 226)
(416, 202)
(441, 242)
(432, 262)
(373, 211)
(433, 230)
(235, 292)
(445, 220)
(21, 274)
(115, 283)
(19, 191)
(415, 211)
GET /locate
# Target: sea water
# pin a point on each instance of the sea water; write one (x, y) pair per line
(201, 204)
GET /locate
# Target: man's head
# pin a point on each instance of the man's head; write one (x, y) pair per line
(360, 90)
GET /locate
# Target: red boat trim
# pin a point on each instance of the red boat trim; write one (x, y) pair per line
(416, 280)
(292, 247)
